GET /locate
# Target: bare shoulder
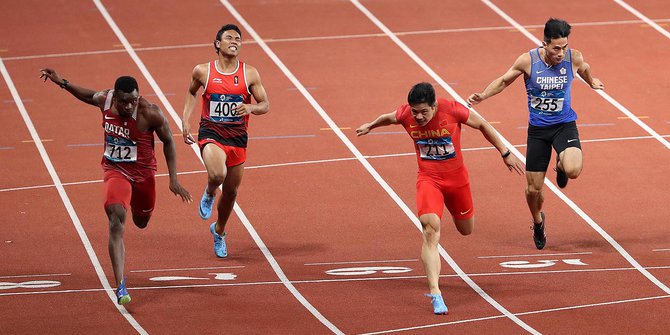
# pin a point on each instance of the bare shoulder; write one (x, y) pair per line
(151, 112)
(252, 74)
(100, 97)
(577, 56)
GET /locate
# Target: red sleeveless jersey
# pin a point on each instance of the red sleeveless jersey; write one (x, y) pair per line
(223, 92)
(438, 143)
(127, 150)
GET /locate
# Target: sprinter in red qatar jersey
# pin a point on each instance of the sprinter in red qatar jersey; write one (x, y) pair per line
(129, 163)
(435, 127)
(228, 86)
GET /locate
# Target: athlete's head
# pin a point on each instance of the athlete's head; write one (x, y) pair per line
(421, 100)
(126, 95)
(556, 32)
(228, 40)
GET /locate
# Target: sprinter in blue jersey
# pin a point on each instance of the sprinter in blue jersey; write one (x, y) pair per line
(548, 72)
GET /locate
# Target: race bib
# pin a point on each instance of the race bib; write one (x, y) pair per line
(436, 148)
(547, 102)
(120, 150)
(222, 108)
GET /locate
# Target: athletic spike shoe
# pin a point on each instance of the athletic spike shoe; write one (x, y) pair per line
(206, 204)
(561, 177)
(220, 248)
(122, 296)
(439, 308)
(539, 237)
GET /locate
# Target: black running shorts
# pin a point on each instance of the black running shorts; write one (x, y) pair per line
(542, 139)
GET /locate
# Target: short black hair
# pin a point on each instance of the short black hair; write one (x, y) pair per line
(555, 28)
(220, 32)
(126, 84)
(420, 93)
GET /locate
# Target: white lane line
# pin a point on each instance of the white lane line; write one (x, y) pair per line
(190, 269)
(33, 276)
(661, 250)
(602, 93)
(574, 206)
(643, 17)
(446, 86)
(615, 302)
(23, 188)
(265, 250)
(319, 38)
(537, 255)
(342, 280)
(364, 262)
(66, 201)
(243, 218)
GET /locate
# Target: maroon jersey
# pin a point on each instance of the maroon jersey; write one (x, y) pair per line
(127, 149)
(223, 92)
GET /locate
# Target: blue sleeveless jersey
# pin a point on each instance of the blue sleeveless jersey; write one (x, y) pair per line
(548, 89)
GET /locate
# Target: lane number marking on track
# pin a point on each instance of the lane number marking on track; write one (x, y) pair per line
(29, 284)
(540, 263)
(368, 270)
(217, 276)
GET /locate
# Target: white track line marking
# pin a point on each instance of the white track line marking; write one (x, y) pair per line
(319, 38)
(66, 201)
(319, 161)
(356, 279)
(33, 276)
(518, 314)
(252, 231)
(661, 250)
(364, 262)
(643, 17)
(442, 251)
(560, 194)
(537, 255)
(190, 269)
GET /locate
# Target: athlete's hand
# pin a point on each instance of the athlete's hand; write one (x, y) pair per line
(179, 190)
(243, 109)
(475, 98)
(596, 84)
(186, 132)
(362, 130)
(513, 164)
(50, 74)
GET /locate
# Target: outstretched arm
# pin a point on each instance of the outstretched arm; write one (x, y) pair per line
(381, 121)
(256, 88)
(162, 128)
(477, 122)
(520, 66)
(86, 95)
(198, 77)
(584, 71)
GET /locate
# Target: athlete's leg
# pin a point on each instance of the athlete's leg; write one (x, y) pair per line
(571, 162)
(142, 201)
(465, 226)
(430, 256)
(215, 163)
(534, 197)
(117, 251)
(228, 196)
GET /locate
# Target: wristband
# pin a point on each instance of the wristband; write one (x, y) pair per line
(506, 154)
(64, 84)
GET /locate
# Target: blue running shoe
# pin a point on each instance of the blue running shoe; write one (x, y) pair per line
(206, 204)
(439, 307)
(122, 296)
(220, 248)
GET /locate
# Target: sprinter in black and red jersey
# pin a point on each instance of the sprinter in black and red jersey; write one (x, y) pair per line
(228, 86)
